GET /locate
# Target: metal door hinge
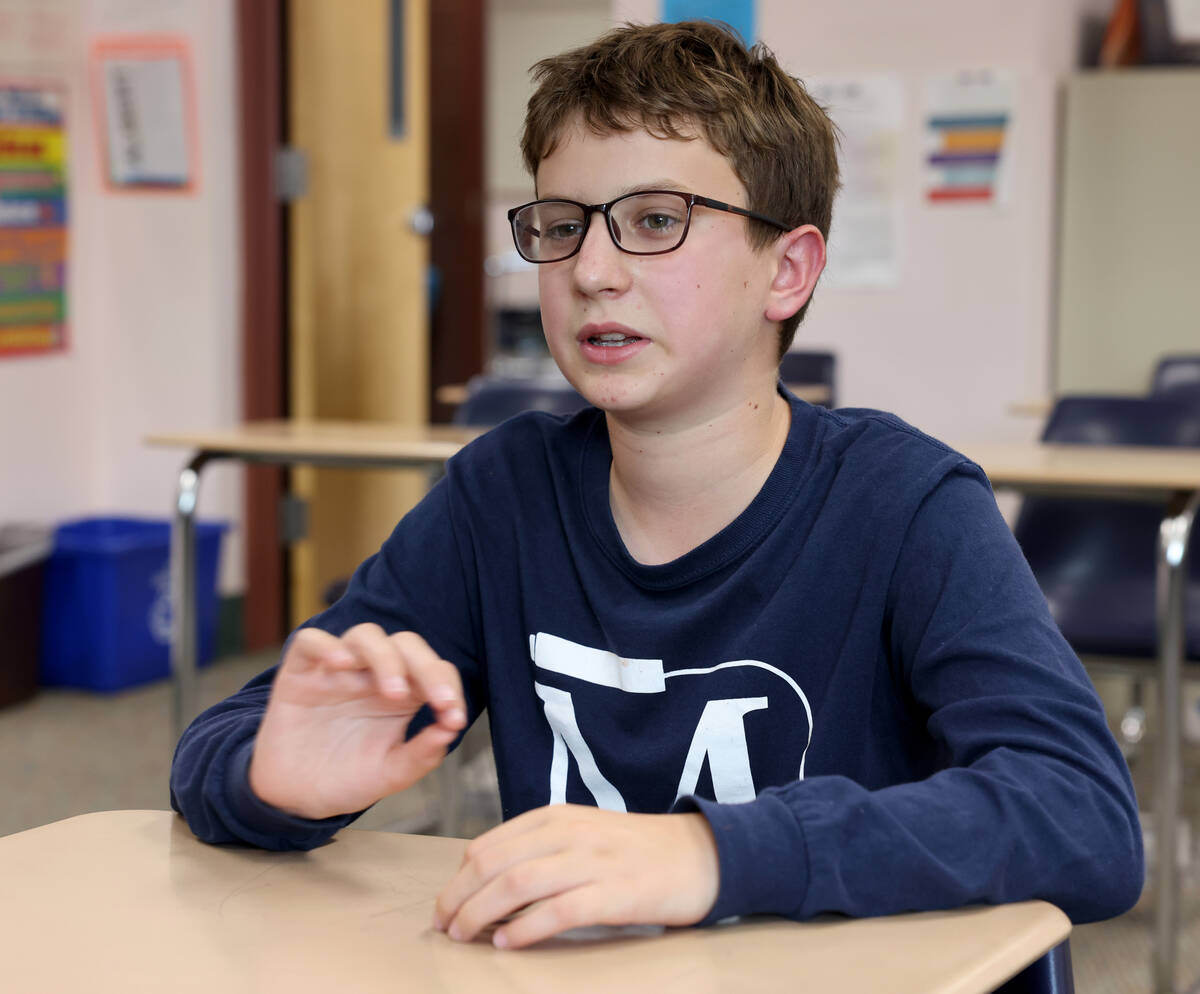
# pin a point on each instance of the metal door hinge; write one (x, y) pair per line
(420, 221)
(291, 173)
(293, 519)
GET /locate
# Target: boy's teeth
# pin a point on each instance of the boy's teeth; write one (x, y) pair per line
(612, 338)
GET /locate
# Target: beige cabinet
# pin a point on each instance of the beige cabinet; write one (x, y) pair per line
(1129, 249)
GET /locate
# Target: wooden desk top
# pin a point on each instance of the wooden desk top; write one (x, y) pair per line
(1039, 407)
(325, 439)
(130, 901)
(1088, 467)
(1007, 464)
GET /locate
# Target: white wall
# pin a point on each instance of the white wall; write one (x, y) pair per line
(154, 290)
(966, 332)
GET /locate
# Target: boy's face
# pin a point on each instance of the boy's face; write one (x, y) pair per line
(696, 339)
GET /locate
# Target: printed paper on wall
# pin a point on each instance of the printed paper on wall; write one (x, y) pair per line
(144, 94)
(864, 241)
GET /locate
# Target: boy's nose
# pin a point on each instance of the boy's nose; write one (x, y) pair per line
(599, 264)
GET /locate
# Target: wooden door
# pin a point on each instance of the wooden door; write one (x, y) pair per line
(357, 106)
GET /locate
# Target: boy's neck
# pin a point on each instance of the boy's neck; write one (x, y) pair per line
(671, 489)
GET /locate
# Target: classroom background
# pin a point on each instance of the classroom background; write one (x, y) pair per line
(195, 277)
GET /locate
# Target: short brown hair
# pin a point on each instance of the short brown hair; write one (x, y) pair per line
(672, 78)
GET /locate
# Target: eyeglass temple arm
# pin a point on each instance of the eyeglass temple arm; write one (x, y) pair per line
(720, 205)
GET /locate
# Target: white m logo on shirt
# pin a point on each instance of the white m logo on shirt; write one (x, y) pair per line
(719, 737)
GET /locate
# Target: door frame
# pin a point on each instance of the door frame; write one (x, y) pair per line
(260, 48)
(457, 194)
(457, 247)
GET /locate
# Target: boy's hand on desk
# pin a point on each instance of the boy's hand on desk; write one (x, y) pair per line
(567, 866)
(332, 739)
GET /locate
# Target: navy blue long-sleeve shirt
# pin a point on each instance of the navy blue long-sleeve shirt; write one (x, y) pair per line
(857, 682)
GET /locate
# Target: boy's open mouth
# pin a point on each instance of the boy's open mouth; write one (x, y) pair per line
(612, 339)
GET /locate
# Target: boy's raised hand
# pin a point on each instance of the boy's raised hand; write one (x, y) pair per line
(332, 740)
(569, 866)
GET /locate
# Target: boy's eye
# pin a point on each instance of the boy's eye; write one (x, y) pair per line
(650, 221)
(657, 221)
(563, 230)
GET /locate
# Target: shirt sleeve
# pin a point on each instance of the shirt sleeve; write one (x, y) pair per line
(420, 581)
(1032, 798)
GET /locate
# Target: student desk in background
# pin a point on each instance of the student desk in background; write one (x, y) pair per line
(1169, 477)
(454, 394)
(341, 444)
(127, 901)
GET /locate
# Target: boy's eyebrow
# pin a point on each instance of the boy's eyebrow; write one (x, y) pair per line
(653, 184)
(656, 184)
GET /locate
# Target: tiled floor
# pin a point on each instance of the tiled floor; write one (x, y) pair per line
(65, 753)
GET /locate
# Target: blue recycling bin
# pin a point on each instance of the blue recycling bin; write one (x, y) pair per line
(106, 612)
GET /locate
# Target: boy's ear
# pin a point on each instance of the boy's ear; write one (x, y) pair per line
(799, 259)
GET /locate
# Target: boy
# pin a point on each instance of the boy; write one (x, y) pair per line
(740, 654)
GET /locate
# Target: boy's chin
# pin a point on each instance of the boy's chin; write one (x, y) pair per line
(609, 397)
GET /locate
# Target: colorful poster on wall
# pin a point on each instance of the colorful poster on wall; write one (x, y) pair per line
(968, 136)
(738, 14)
(33, 219)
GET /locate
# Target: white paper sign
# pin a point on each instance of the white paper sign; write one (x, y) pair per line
(864, 240)
(1184, 18)
(146, 107)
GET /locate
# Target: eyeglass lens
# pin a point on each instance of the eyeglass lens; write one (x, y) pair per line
(640, 223)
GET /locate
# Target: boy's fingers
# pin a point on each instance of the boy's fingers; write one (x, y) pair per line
(437, 680)
(419, 756)
(400, 663)
(583, 906)
(374, 651)
(487, 859)
(536, 880)
(507, 831)
(312, 647)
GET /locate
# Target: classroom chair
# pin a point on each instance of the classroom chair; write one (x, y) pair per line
(1095, 560)
(810, 368)
(491, 400)
(1052, 974)
(1176, 373)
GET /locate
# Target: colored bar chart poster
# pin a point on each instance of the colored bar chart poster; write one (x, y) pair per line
(864, 240)
(33, 219)
(968, 128)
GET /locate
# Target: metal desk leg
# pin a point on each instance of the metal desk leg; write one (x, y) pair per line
(450, 795)
(183, 598)
(1172, 584)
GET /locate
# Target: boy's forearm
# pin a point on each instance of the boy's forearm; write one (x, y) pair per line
(1012, 827)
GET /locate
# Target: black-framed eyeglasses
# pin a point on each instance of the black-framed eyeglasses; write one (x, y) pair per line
(649, 222)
